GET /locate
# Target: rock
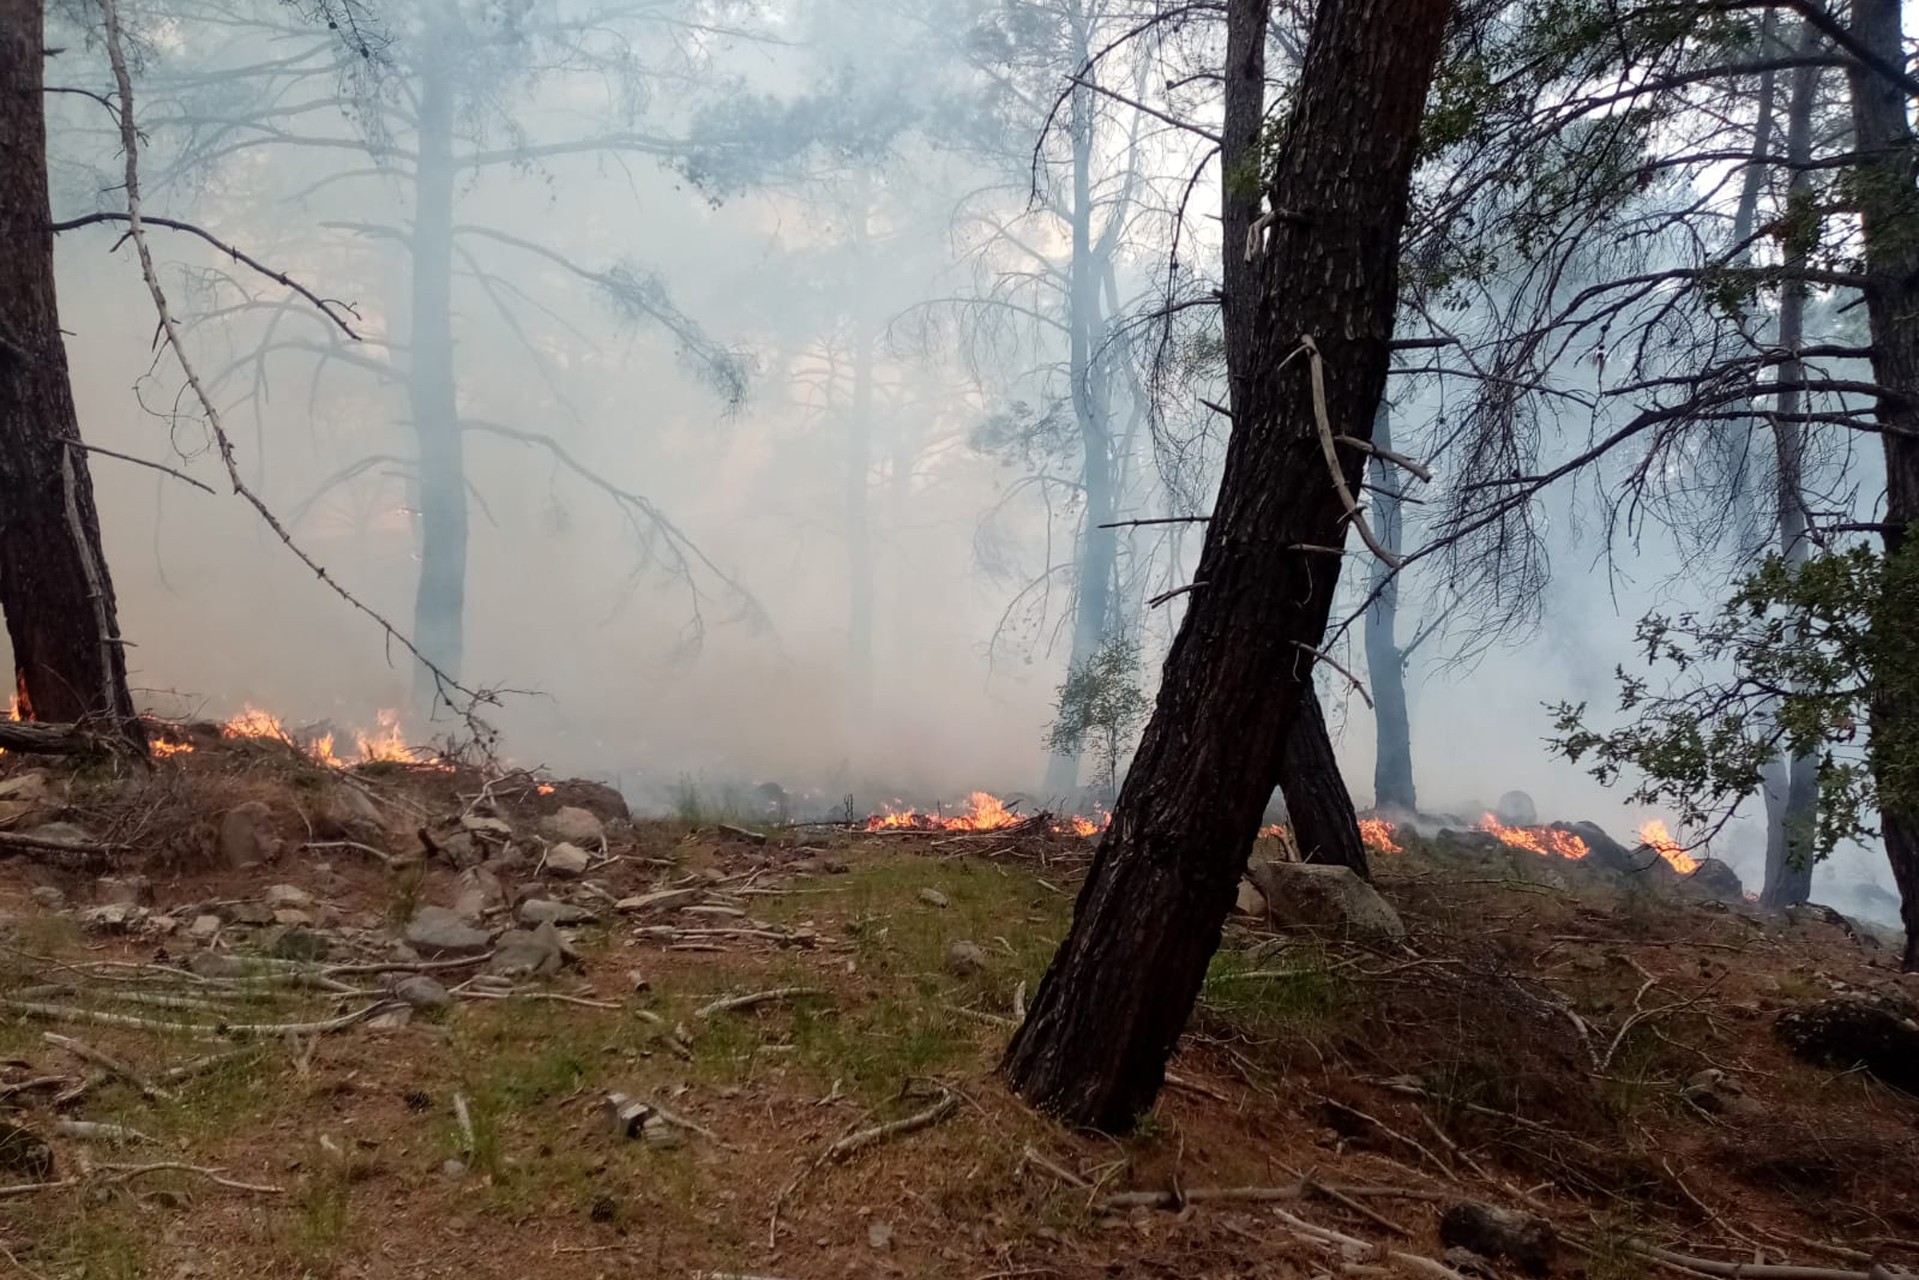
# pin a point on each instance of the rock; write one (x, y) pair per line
(30, 787)
(1328, 899)
(351, 807)
(1878, 1033)
(422, 992)
(1714, 1091)
(657, 1131)
(573, 825)
(523, 954)
(1251, 901)
(879, 1235)
(453, 1168)
(1715, 881)
(254, 913)
(246, 835)
(964, 958)
(622, 1115)
(461, 849)
(132, 891)
(1516, 809)
(436, 931)
(1526, 1240)
(480, 885)
(162, 926)
(24, 1154)
(216, 964)
(114, 917)
(286, 895)
(391, 1019)
(490, 828)
(292, 919)
(205, 928)
(538, 911)
(662, 900)
(598, 799)
(567, 860)
(298, 943)
(49, 896)
(934, 898)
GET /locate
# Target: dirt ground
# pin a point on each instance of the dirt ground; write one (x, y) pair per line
(1535, 1044)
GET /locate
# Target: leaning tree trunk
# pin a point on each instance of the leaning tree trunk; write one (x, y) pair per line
(1792, 784)
(1385, 663)
(1094, 1046)
(1888, 214)
(1317, 804)
(54, 588)
(439, 603)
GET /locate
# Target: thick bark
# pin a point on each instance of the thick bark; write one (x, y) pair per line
(439, 607)
(1889, 223)
(54, 587)
(1792, 783)
(1385, 664)
(1094, 1046)
(1087, 370)
(1317, 804)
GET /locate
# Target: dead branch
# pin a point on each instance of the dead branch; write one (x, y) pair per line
(1397, 459)
(741, 833)
(126, 1172)
(1249, 1195)
(1311, 1187)
(98, 1131)
(87, 1053)
(1324, 1235)
(1175, 1081)
(1134, 524)
(37, 737)
(1060, 1171)
(29, 1188)
(88, 850)
(1175, 593)
(385, 858)
(1762, 1271)
(681, 1122)
(1321, 416)
(1328, 659)
(853, 1143)
(63, 1013)
(731, 1003)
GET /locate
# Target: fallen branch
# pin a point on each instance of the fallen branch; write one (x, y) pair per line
(385, 858)
(853, 1143)
(465, 1120)
(681, 1122)
(741, 833)
(87, 1053)
(1071, 1179)
(1194, 1086)
(29, 1188)
(98, 1131)
(731, 1003)
(130, 1171)
(36, 737)
(1324, 1235)
(1250, 1195)
(62, 1013)
(1762, 1271)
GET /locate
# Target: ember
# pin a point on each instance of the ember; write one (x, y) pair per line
(1654, 836)
(1544, 841)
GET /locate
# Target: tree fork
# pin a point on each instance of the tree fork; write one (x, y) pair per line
(1093, 1048)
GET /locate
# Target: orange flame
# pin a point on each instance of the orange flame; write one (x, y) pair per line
(1377, 833)
(386, 743)
(1544, 841)
(1654, 836)
(545, 788)
(163, 748)
(984, 812)
(1272, 831)
(255, 723)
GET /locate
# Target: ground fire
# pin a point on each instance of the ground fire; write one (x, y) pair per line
(1654, 836)
(1544, 841)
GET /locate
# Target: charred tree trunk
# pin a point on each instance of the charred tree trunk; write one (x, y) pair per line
(1385, 663)
(1317, 804)
(439, 606)
(1792, 785)
(54, 587)
(1098, 548)
(1888, 217)
(1094, 1046)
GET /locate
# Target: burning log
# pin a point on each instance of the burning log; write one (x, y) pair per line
(35, 737)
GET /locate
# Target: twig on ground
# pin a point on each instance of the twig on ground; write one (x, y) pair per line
(1033, 1157)
(853, 1143)
(128, 1171)
(464, 1119)
(1325, 1235)
(1176, 1081)
(62, 1013)
(87, 1053)
(731, 1003)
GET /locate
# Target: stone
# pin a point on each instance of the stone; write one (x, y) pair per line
(879, 1235)
(453, 1168)
(291, 918)
(1718, 1093)
(30, 787)
(391, 1019)
(492, 828)
(934, 898)
(1251, 902)
(567, 860)
(1516, 809)
(1714, 881)
(657, 1131)
(572, 825)
(114, 917)
(522, 953)
(538, 911)
(205, 928)
(298, 943)
(1327, 899)
(436, 931)
(1524, 1239)
(49, 896)
(422, 992)
(163, 926)
(461, 849)
(598, 799)
(1876, 1032)
(216, 964)
(246, 835)
(964, 958)
(286, 895)
(254, 913)
(132, 891)
(24, 1154)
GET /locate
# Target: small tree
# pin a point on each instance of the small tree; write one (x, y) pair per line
(1101, 707)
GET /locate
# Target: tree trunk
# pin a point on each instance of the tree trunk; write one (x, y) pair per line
(1317, 804)
(1385, 664)
(54, 586)
(1888, 211)
(1792, 786)
(1094, 1046)
(439, 607)
(1086, 368)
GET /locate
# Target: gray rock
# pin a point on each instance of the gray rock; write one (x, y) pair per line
(131, 891)
(1878, 1032)
(1516, 809)
(297, 943)
(216, 964)
(114, 917)
(661, 900)
(280, 896)
(1251, 902)
(964, 958)
(573, 826)
(49, 896)
(521, 953)
(1526, 1240)
(292, 919)
(657, 1131)
(1717, 1092)
(567, 860)
(205, 928)
(453, 1169)
(538, 911)
(879, 1235)
(164, 926)
(436, 931)
(254, 913)
(422, 992)
(1714, 881)
(246, 835)
(934, 898)
(1326, 899)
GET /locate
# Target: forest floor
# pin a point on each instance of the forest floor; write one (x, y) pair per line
(1603, 1057)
